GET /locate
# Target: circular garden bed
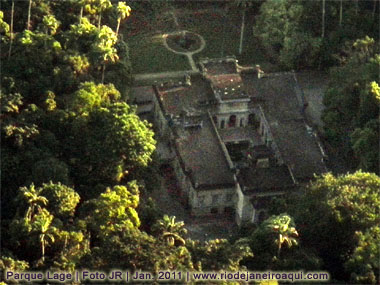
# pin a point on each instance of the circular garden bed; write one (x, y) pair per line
(184, 42)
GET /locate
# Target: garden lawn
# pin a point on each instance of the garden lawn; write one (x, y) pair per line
(221, 32)
(149, 55)
(147, 52)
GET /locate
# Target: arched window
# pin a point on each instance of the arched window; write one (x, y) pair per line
(222, 124)
(242, 122)
(215, 119)
(232, 121)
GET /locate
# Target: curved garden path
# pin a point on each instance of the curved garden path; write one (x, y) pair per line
(188, 54)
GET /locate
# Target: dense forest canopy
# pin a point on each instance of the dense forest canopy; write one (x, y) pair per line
(76, 159)
(74, 154)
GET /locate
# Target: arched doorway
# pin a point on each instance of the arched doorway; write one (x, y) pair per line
(232, 121)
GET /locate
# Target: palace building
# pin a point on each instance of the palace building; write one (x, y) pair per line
(235, 136)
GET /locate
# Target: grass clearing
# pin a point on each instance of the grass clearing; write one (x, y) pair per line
(221, 32)
(149, 55)
(146, 49)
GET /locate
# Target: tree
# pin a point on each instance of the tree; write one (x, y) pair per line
(218, 254)
(368, 250)
(42, 225)
(284, 228)
(51, 24)
(63, 200)
(344, 205)
(90, 96)
(123, 11)
(11, 29)
(97, 7)
(29, 13)
(34, 201)
(104, 47)
(111, 141)
(82, 4)
(364, 141)
(352, 106)
(50, 169)
(115, 211)
(170, 230)
(278, 26)
(103, 5)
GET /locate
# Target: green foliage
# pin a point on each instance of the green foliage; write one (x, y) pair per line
(218, 254)
(50, 24)
(110, 142)
(63, 200)
(50, 169)
(284, 228)
(123, 11)
(4, 27)
(115, 211)
(274, 244)
(89, 96)
(352, 108)
(149, 213)
(170, 230)
(364, 141)
(300, 50)
(301, 34)
(343, 205)
(278, 28)
(364, 261)
(10, 264)
(277, 20)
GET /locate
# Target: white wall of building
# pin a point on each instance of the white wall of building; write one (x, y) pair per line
(203, 201)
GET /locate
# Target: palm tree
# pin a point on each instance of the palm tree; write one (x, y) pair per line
(34, 200)
(244, 4)
(29, 12)
(123, 11)
(42, 225)
(102, 5)
(286, 233)
(51, 24)
(105, 45)
(11, 29)
(171, 230)
(81, 3)
(341, 13)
